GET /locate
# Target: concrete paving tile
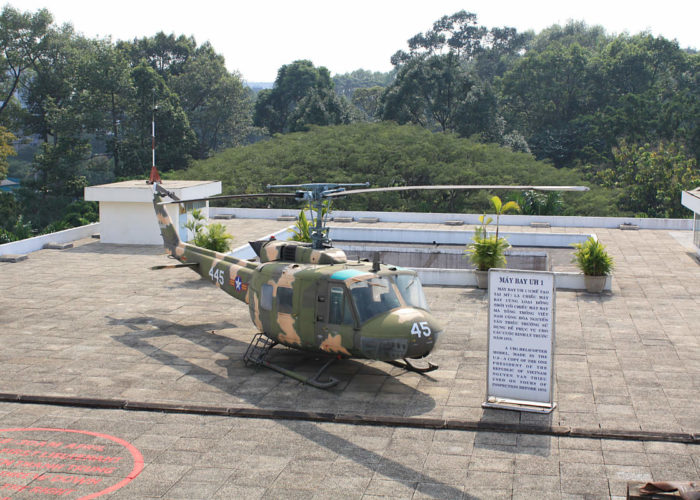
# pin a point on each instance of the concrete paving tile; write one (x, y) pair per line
(380, 486)
(536, 441)
(285, 494)
(332, 495)
(532, 482)
(487, 493)
(679, 462)
(624, 458)
(445, 475)
(229, 491)
(375, 497)
(192, 490)
(179, 457)
(622, 445)
(581, 456)
(578, 469)
(485, 439)
(494, 480)
(434, 461)
(310, 480)
(504, 465)
(438, 490)
(541, 466)
(655, 447)
(628, 473)
(216, 475)
(522, 494)
(592, 485)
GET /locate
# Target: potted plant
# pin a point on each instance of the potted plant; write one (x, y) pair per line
(487, 251)
(595, 263)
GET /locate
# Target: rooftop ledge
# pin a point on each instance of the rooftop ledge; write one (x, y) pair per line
(142, 192)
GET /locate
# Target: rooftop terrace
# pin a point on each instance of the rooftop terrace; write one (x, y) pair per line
(94, 322)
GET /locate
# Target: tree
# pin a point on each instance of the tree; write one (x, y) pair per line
(301, 92)
(368, 102)
(175, 140)
(22, 40)
(437, 83)
(652, 178)
(428, 91)
(320, 106)
(217, 104)
(348, 83)
(502, 48)
(544, 93)
(166, 54)
(457, 34)
(577, 91)
(6, 149)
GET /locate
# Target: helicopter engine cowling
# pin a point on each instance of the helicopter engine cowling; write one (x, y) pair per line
(402, 333)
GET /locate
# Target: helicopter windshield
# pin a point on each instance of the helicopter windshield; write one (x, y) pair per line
(373, 296)
(411, 290)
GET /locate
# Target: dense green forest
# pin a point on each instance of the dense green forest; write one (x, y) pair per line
(464, 103)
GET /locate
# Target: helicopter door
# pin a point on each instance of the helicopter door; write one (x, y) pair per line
(335, 323)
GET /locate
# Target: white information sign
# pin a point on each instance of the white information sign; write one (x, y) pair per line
(521, 340)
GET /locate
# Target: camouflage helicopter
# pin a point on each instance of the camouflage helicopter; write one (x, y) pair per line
(310, 297)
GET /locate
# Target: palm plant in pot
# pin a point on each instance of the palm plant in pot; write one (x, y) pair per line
(487, 251)
(594, 261)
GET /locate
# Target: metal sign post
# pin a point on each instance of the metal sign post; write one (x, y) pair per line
(521, 340)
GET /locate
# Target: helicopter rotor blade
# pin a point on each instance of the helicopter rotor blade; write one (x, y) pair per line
(456, 187)
(233, 196)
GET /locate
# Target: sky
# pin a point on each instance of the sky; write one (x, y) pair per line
(257, 37)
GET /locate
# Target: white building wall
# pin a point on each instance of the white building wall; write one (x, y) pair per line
(131, 223)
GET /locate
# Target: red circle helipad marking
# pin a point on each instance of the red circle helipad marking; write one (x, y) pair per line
(135, 453)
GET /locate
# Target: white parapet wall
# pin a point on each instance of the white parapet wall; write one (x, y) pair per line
(467, 277)
(439, 218)
(37, 243)
(451, 237)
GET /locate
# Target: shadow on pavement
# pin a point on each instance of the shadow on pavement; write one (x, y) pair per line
(145, 328)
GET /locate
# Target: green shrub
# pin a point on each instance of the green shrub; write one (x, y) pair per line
(486, 251)
(592, 258)
(213, 237)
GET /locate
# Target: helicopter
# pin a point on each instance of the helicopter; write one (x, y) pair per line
(310, 297)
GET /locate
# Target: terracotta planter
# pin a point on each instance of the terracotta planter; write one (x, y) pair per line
(594, 284)
(482, 278)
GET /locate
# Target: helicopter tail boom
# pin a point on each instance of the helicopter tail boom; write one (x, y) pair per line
(226, 272)
(168, 231)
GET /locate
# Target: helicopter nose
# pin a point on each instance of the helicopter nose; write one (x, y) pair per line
(424, 333)
(402, 333)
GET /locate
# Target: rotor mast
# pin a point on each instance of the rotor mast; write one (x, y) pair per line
(315, 194)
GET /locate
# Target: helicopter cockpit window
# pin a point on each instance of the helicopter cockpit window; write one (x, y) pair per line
(266, 297)
(411, 290)
(372, 297)
(284, 299)
(340, 313)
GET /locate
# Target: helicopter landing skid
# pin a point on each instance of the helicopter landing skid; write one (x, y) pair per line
(408, 366)
(260, 348)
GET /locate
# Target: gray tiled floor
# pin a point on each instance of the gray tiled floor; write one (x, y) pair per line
(95, 321)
